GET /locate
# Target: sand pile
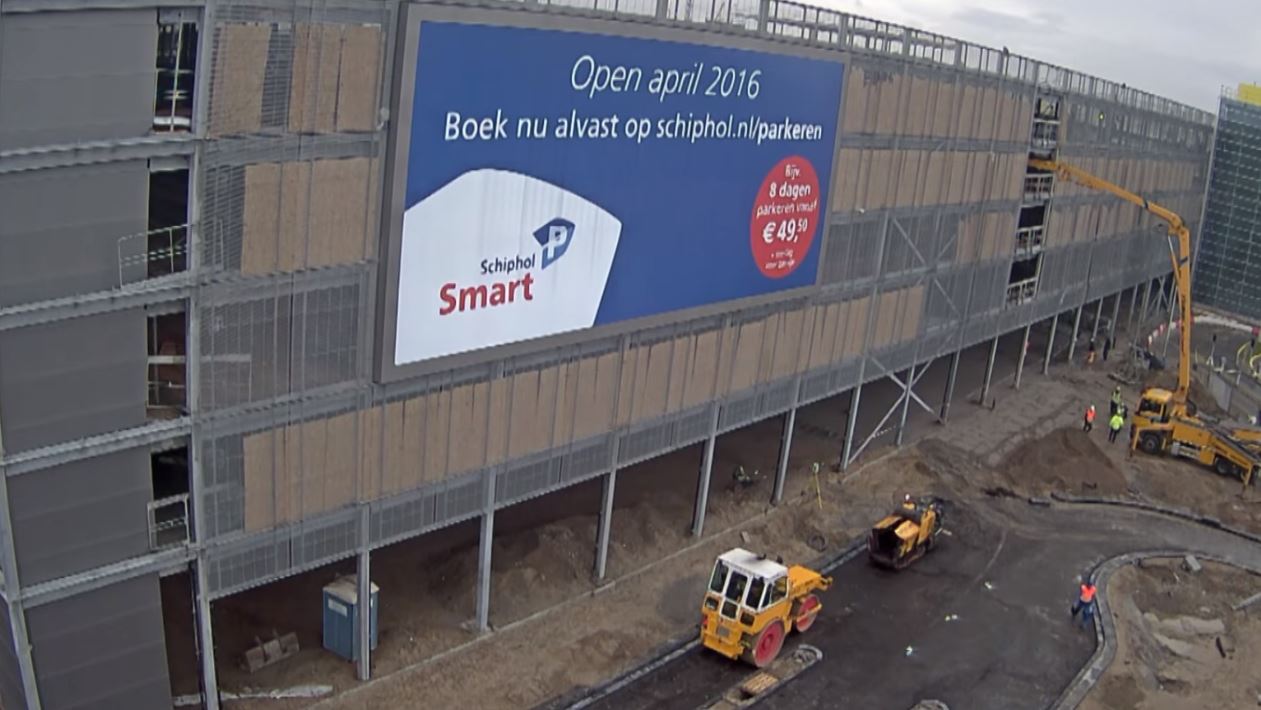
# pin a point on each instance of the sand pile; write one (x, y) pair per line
(1067, 460)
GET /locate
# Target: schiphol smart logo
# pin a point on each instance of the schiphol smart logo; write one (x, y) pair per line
(554, 237)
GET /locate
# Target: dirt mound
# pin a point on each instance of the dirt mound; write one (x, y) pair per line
(1068, 461)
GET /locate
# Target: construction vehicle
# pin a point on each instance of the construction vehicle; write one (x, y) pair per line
(906, 534)
(752, 602)
(1165, 421)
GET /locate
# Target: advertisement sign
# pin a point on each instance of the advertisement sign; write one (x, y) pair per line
(561, 180)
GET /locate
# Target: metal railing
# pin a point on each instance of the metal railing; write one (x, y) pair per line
(168, 522)
(1029, 240)
(1038, 187)
(167, 395)
(1046, 134)
(1022, 291)
(152, 254)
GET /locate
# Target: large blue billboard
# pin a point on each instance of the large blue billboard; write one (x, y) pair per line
(560, 180)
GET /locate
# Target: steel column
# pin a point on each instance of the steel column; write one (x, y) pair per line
(609, 483)
(1116, 311)
(950, 386)
(1094, 330)
(1050, 345)
(702, 486)
(205, 637)
(1072, 341)
(906, 403)
(1142, 313)
(364, 610)
(1129, 322)
(1173, 307)
(13, 593)
(485, 541)
(785, 446)
(989, 370)
(1024, 349)
(849, 425)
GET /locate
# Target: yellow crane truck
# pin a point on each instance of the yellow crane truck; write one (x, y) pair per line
(1164, 422)
(752, 603)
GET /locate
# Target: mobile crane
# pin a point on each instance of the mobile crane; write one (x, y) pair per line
(1164, 423)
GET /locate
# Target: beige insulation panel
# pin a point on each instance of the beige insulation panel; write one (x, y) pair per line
(907, 177)
(679, 362)
(824, 334)
(957, 183)
(886, 319)
(650, 393)
(862, 178)
(523, 435)
(470, 409)
(944, 109)
(313, 88)
(289, 476)
(260, 219)
(856, 91)
(702, 368)
(415, 446)
(890, 93)
(437, 436)
(879, 179)
(965, 244)
(859, 312)
(726, 360)
(917, 106)
(747, 356)
(1016, 178)
(314, 466)
(988, 112)
(295, 194)
(358, 77)
(788, 345)
(912, 313)
(237, 89)
(597, 388)
(549, 394)
(497, 431)
(566, 402)
(967, 111)
(935, 188)
(978, 173)
(260, 478)
(846, 194)
(634, 369)
(370, 454)
(394, 455)
(341, 460)
(339, 210)
(806, 343)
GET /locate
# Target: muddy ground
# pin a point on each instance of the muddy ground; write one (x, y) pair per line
(1181, 645)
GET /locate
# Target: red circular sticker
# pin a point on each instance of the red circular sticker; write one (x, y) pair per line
(785, 216)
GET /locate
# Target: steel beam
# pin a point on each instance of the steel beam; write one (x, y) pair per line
(1072, 341)
(606, 525)
(1129, 322)
(989, 370)
(364, 609)
(205, 637)
(160, 145)
(1050, 345)
(90, 447)
(140, 295)
(903, 402)
(13, 593)
(906, 403)
(1094, 331)
(950, 386)
(1024, 350)
(702, 485)
(785, 447)
(485, 542)
(849, 425)
(1142, 313)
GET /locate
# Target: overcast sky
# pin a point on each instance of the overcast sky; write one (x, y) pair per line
(1183, 49)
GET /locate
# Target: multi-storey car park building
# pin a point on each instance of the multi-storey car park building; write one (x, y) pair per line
(246, 332)
(1230, 252)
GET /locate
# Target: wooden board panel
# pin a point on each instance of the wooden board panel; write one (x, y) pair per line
(651, 391)
(567, 403)
(339, 487)
(944, 110)
(543, 434)
(415, 445)
(822, 347)
(935, 191)
(806, 344)
(702, 369)
(890, 95)
(916, 115)
(849, 162)
(787, 351)
(396, 463)
(497, 432)
(314, 469)
(680, 356)
(370, 454)
(770, 343)
(747, 351)
(339, 210)
(468, 424)
(912, 313)
(597, 388)
(965, 242)
(437, 436)
(958, 181)
(525, 396)
(967, 112)
(855, 101)
(988, 113)
(857, 322)
(260, 479)
(237, 89)
(878, 180)
(295, 191)
(316, 68)
(289, 493)
(978, 176)
(726, 359)
(910, 182)
(260, 220)
(358, 78)
(634, 363)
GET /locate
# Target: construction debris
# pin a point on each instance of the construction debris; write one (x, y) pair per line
(266, 653)
(1191, 564)
(930, 705)
(1248, 602)
(295, 692)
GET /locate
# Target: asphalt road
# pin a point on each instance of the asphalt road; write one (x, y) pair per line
(1007, 571)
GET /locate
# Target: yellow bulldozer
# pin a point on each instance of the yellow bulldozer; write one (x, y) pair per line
(752, 602)
(906, 534)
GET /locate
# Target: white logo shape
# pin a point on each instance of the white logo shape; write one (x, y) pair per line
(477, 270)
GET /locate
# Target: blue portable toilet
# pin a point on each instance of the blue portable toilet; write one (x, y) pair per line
(341, 620)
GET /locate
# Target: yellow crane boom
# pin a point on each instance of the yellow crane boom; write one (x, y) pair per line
(1181, 256)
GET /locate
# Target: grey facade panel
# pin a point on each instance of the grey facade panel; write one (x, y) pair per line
(61, 231)
(69, 77)
(12, 696)
(73, 378)
(81, 515)
(102, 649)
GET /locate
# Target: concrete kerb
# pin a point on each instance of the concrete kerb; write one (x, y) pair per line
(1105, 625)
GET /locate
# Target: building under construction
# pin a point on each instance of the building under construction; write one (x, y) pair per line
(285, 286)
(1229, 254)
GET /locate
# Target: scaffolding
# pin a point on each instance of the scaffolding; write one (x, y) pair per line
(1229, 255)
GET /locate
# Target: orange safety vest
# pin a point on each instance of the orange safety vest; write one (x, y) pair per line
(1087, 593)
(1090, 415)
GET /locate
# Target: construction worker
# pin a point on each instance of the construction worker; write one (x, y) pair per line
(1114, 425)
(1107, 346)
(1089, 421)
(1090, 352)
(1085, 602)
(1117, 402)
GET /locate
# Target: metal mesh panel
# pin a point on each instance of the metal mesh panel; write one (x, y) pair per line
(737, 412)
(583, 462)
(224, 499)
(326, 541)
(403, 515)
(777, 398)
(693, 426)
(852, 252)
(527, 479)
(241, 566)
(645, 442)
